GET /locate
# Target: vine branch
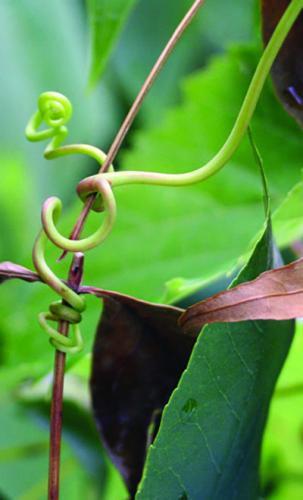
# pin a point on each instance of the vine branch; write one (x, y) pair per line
(233, 140)
(49, 112)
(55, 110)
(74, 280)
(135, 108)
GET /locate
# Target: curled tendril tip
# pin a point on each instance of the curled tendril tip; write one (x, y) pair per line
(55, 110)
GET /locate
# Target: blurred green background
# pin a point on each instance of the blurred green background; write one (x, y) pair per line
(161, 249)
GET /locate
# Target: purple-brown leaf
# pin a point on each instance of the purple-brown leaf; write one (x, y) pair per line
(276, 294)
(139, 355)
(10, 270)
(287, 70)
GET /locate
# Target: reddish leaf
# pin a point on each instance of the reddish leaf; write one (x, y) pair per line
(276, 294)
(10, 270)
(287, 71)
(138, 358)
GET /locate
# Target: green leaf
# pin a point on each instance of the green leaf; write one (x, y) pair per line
(196, 232)
(288, 220)
(282, 452)
(209, 441)
(106, 19)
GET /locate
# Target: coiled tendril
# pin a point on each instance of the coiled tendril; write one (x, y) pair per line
(69, 311)
(55, 110)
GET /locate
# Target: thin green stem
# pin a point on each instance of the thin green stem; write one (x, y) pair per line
(156, 69)
(241, 124)
(55, 110)
(84, 149)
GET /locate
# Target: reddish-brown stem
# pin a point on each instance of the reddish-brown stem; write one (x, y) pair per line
(131, 115)
(74, 280)
(56, 420)
(56, 411)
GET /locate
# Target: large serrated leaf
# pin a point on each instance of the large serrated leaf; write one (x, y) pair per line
(106, 18)
(209, 440)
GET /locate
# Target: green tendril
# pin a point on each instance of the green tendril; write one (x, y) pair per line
(60, 342)
(52, 208)
(234, 139)
(70, 311)
(55, 111)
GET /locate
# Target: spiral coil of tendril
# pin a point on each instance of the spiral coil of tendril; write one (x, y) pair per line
(55, 110)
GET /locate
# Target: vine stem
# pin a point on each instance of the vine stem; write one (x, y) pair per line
(233, 141)
(76, 269)
(131, 115)
(234, 138)
(113, 151)
(74, 280)
(119, 178)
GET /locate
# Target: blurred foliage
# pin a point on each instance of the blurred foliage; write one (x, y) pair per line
(106, 20)
(24, 447)
(147, 31)
(283, 445)
(161, 234)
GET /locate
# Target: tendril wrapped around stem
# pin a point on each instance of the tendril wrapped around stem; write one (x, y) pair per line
(55, 110)
(69, 311)
(52, 208)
